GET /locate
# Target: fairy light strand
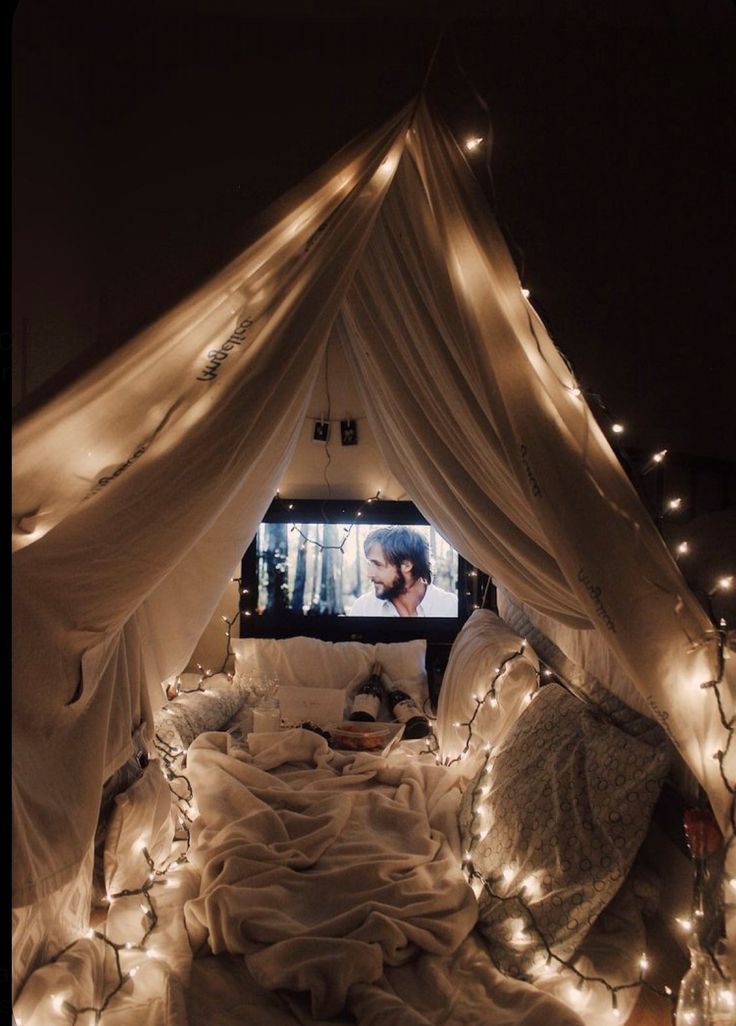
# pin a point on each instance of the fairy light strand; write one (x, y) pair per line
(347, 530)
(483, 772)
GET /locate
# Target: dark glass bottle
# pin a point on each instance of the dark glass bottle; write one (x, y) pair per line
(368, 697)
(405, 710)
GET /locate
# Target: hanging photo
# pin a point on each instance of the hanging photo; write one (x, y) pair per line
(349, 432)
(321, 430)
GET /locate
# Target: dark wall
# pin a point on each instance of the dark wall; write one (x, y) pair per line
(147, 135)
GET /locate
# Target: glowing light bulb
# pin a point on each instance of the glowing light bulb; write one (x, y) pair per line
(675, 503)
(530, 885)
(686, 924)
(682, 548)
(134, 971)
(574, 996)
(659, 456)
(525, 293)
(474, 143)
(643, 962)
(618, 429)
(576, 391)
(520, 938)
(725, 583)
(467, 857)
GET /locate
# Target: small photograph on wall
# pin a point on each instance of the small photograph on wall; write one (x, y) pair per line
(348, 432)
(321, 430)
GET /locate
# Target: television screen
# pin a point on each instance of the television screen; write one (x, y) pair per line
(347, 568)
(371, 571)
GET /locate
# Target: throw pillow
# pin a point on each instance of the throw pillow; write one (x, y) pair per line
(554, 823)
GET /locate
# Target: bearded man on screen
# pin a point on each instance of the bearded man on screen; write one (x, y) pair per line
(401, 578)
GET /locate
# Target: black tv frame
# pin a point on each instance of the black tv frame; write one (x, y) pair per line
(330, 627)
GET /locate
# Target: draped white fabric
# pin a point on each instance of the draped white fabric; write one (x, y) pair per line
(476, 414)
(136, 491)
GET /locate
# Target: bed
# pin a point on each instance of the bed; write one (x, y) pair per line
(272, 879)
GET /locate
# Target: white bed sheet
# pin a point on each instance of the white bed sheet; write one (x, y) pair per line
(462, 989)
(332, 891)
(428, 967)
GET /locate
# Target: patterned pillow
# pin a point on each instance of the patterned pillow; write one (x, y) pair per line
(556, 820)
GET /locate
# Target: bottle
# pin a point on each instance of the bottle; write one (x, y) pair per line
(367, 700)
(697, 999)
(405, 710)
(701, 1000)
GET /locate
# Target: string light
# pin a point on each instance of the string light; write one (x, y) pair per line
(474, 143)
(346, 530)
(655, 460)
(618, 429)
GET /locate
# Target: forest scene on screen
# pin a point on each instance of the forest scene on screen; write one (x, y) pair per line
(321, 569)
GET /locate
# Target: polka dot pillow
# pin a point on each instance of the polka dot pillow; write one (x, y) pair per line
(553, 824)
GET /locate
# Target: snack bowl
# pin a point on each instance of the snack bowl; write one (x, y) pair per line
(362, 735)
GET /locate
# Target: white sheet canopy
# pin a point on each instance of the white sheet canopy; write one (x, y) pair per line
(138, 488)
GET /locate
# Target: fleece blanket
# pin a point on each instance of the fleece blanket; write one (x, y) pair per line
(322, 869)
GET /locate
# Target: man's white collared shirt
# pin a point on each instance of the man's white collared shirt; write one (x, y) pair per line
(436, 602)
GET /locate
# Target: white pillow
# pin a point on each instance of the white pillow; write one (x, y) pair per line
(304, 662)
(483, 644)
(404, 663)
(143, 815)
(311, 662)
(587, 651)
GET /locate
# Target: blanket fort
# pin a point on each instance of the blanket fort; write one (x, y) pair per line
(323, 871)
